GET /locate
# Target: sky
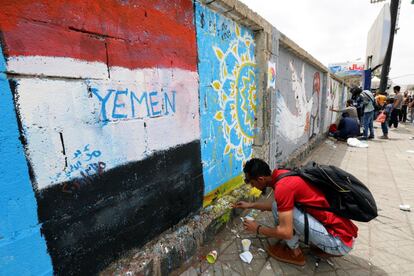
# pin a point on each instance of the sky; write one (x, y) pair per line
(336, 30)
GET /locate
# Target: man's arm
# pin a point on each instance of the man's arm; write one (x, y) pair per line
(263, 205)
(284, 230)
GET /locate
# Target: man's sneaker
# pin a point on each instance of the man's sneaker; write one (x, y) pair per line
(384, 137)
(283, 253)
(362, 138)
(371, 137)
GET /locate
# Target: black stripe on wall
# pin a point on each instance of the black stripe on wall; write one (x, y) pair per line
(89, 222)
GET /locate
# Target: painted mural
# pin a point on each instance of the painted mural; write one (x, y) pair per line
(227, 70)
(107, 103)
(22, 248)
(298, 102)
(334, 100)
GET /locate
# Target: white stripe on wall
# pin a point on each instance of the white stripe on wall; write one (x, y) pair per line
(51, 109)
(56, 67)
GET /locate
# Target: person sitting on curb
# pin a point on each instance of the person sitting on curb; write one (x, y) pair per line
(348, 127)
(350, 109)
(332, 234)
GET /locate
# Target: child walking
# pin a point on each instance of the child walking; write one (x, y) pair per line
(387, 111)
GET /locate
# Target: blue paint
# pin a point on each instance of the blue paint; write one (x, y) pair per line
(103, 101)
(169, 103)
(154, 103)
(129, 109)
(224, 147)
(139, 101)
(22, 248)
(117, 105)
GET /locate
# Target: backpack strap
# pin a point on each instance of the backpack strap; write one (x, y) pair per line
(302, 206)
(283, 175)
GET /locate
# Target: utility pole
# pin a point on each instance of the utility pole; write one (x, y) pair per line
(387, 60)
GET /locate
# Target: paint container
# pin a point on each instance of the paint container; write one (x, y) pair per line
(246, 244)
(212, 257)
(249, 218)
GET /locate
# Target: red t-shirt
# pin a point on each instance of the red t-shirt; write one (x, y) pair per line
(294, 189)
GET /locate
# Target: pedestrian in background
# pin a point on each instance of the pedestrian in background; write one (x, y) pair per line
(368, 117)
(398, 101)
(403, 114)
(358, 101)
(387, 111)
(411, 107)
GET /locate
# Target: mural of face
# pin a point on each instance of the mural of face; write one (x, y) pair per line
(314, 120)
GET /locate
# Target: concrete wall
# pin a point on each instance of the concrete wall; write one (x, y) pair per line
(122, 118)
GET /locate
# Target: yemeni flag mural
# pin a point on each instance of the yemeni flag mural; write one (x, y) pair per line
(107, 97)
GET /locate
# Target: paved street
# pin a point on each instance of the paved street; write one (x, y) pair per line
(385, 246)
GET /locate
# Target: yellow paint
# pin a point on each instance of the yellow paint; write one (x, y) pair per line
(216, 85)
(219, 53)
(237, 30)
(235, 50)
(237, 100)
(255, 192)
(227, 149)
(224, 189)
(219, 116)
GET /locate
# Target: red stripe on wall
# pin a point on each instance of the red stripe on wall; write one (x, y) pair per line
(31, 39)
(139, 34)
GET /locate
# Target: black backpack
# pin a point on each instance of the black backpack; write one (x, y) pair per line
(347, 196)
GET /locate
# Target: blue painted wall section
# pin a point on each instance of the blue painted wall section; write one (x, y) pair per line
(227, 71)
(22, 248)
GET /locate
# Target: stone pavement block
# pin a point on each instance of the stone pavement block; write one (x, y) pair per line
(227, 271)
(235, 265)
(276, 266)
(354, 272)
(231, 249)
(190, 272)
(267, 270)
(255, 266)
(351, 262)
(218, 271)
(289, 269)
(208, 272)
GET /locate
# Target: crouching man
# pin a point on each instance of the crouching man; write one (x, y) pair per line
(330, 233)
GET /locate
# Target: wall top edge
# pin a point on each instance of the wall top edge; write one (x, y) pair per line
(237, 9)
(292, 46)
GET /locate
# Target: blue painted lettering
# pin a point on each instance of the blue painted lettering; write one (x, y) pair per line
(117, 105)
(103, 100)
(140, 100)
(168, 102)
(154, 103)
(134, 107)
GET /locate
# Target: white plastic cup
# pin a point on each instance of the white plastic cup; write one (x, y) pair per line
(249, 218)
(246, 244)
(212, 257)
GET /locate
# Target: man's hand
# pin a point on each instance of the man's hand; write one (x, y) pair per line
(243, 205)
(250, 226)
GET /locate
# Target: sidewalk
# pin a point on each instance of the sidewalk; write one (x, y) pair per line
(385, 246)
